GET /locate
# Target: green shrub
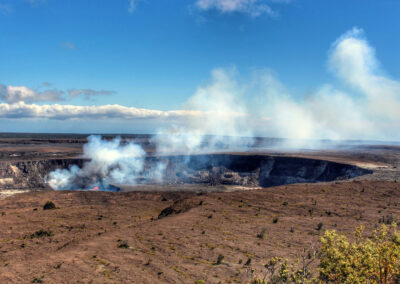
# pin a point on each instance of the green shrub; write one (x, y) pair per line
(364, 260)
(374, 260)
(41, 234)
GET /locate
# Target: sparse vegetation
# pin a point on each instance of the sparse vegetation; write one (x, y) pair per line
(49, 205)
(248, 262)
(38, 279)
(388, 219)
(220, 259)
(41, 234)
(261, 235)
(374, 260)
(123, 244)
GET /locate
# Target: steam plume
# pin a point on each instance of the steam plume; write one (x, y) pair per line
(367, 108)
(109, 162)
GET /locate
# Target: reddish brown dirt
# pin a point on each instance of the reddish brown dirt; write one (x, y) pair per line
(88, 227)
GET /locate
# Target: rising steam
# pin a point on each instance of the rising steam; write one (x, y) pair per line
(367, 108)
(108, 162)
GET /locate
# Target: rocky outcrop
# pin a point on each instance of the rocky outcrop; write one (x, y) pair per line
(31, 174)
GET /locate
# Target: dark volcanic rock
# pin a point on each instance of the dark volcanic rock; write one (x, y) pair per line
(255, 170)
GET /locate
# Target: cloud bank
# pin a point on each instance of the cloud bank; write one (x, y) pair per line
(64, 112)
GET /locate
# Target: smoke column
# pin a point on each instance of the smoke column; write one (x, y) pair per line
(366, 107)
(108, 162)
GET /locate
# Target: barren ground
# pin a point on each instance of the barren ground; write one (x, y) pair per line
(87, 228)
(104, 237)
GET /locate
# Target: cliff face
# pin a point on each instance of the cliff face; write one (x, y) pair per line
(227, 169)
(255, 170)
(31, 174)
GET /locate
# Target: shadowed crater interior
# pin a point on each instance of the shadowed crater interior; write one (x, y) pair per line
(253, 170)
(210, 169)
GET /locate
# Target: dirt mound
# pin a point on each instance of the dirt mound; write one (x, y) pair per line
(180, 206)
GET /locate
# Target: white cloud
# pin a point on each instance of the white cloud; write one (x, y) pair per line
(13, 94)
(63, 112)
(132, 6)
(254, 8)
(36, 2)
(88, 93)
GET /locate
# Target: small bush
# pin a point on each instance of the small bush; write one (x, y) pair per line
(372, 259)
(220, 259)
(49, 205)
(38, 280)
(123, 244)
(41, 234)
(261, 235)
(275, 220)
(248, 262)
(319, 226)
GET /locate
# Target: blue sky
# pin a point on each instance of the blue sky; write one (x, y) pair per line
(155, 54)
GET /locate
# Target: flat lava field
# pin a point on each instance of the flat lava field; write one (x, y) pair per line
(171, 236)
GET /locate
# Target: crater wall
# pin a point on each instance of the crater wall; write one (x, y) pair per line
(214, 169)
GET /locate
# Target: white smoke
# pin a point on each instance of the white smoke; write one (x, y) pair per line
(109, 162)
(367, 109)
(227, 110)
(224, 118)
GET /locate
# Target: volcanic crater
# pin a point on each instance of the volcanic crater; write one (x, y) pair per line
(248, 170)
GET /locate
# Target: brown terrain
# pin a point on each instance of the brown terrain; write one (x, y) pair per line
(176, 233)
